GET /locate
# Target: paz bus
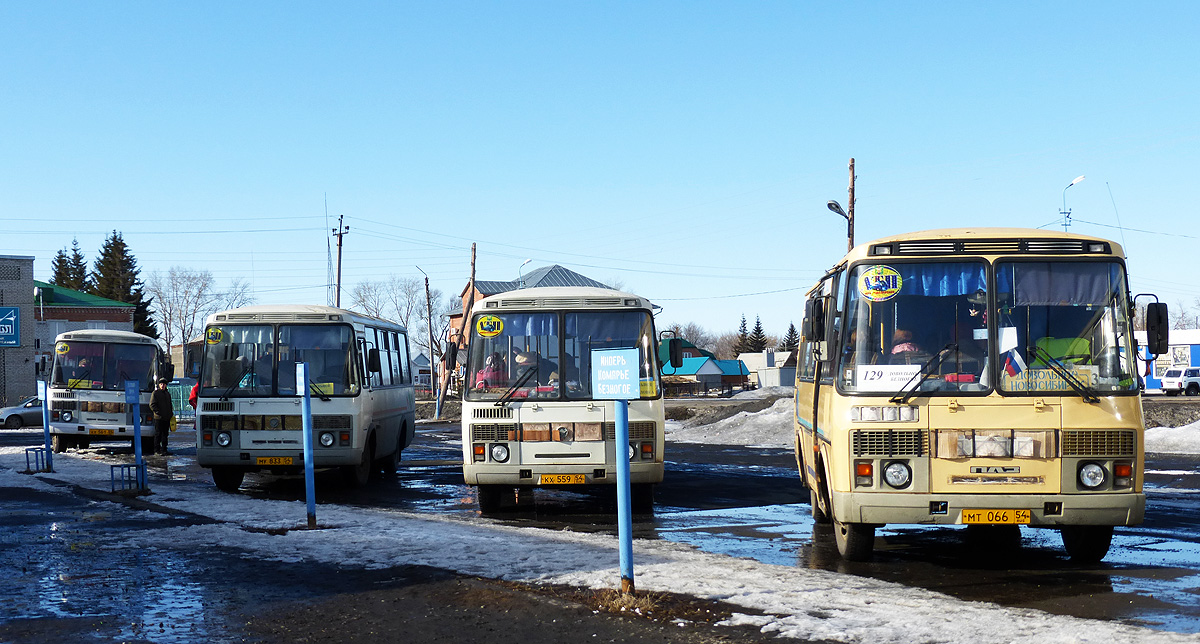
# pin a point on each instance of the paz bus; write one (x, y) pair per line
(248, 415)
(983, 377)
(87, 387)
(529, 418)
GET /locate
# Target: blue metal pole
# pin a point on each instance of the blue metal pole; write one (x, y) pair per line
(624, 507)
(43, 394)
(310, 493)
(132, 402)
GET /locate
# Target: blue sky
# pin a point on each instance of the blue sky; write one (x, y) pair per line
(685, 149)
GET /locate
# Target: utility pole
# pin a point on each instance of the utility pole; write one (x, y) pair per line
(464, 336)
(429, 322)
(340, 231)
(850, 211)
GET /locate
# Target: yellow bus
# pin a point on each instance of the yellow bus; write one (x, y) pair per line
(981, 376)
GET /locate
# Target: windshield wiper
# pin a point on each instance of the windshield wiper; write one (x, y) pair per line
(248, 370)
(1088, 395)
(314, 389)
(78, 380)
(516, 385)
(926, 370)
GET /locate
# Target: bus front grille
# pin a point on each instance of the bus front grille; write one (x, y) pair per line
(1098, 442)
(217, 406)
(642, 430)
(890, 442)
(492, 412)
(493, 432)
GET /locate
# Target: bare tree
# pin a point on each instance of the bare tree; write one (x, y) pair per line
(1183, 316)
(695, 334)
(407, 297)
(724, 344)
(184, 297)
(370, 298)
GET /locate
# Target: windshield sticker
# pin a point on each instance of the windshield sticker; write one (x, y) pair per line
(62, 348)
(213, 336)
(886, 377)
(879, 283)
(489, 326)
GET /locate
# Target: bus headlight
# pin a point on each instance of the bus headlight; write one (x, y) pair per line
(632, 451)
(224, 439)
(67, 416)
(897, 474)
(325, 439)
(1091, 475)
(500, 453)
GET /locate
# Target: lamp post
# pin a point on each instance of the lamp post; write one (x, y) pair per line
(837, 207)
(521, 273)
(1066, 214)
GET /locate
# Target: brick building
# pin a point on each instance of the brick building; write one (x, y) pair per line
(17, 377)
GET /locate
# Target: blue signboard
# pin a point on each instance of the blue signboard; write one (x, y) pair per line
(10, 326)
(615, 374)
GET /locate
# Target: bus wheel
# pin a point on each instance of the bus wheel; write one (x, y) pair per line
(228, 479)
(1087, 543)
(641, 498)
(855, 541)
(390, 464)
(493, 498)
(58, 443)
(359, 475)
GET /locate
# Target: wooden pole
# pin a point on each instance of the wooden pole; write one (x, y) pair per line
(850, 212)
(463, 336)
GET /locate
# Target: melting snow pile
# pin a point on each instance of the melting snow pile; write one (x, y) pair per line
(771, 427)
(1174, 440)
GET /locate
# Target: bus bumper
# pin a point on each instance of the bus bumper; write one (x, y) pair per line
(1045, 510)
(322, 457)
(531, 476)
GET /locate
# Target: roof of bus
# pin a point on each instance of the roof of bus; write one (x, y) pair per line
(980, 233)
(274, 311)
(104, 335)
(563, 295)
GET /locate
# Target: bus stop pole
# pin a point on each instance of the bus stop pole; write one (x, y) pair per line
(44, 394)
(624, 507)
(310, 494)
(133, 402)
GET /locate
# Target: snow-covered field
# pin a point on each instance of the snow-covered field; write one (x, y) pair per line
(799, 602)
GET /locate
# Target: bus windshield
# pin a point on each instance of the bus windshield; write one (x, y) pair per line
(548, 355)
(1059, 322)
(260, 360)
(910, 323)
(99, 365)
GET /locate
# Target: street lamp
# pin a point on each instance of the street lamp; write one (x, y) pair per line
(837, 207)
(521, 273)
(1066, 214)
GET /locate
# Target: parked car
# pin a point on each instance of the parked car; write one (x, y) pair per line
(1185, 379)
(27, 413)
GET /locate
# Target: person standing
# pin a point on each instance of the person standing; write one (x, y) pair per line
(163, 411)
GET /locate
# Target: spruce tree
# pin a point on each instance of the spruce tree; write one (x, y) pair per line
(115, 276)
(739, 347)
(70, 271)
(757, 341)
(791, 340)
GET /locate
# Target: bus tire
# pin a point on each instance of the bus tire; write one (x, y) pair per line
(390, 464)
(58, 443)
(227, 479)
(1087, 543)
(855, 541)
(641, 498)
(494, 498)
(359, 475)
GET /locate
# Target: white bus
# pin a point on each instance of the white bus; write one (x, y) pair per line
(87, 386)
(529, 418)
(248, 410)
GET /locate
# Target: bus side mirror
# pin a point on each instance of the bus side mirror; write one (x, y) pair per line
(813, 325)
(451, 356)
(1156, 328)
(675, 352)
(373, 364)
(169, 371)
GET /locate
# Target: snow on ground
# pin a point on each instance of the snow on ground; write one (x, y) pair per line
(1174, 440)
(799, 602)
(771, 427)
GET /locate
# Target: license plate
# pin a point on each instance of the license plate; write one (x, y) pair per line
(100, 432)
(992, 517)
(273, 460)
(561, 479)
